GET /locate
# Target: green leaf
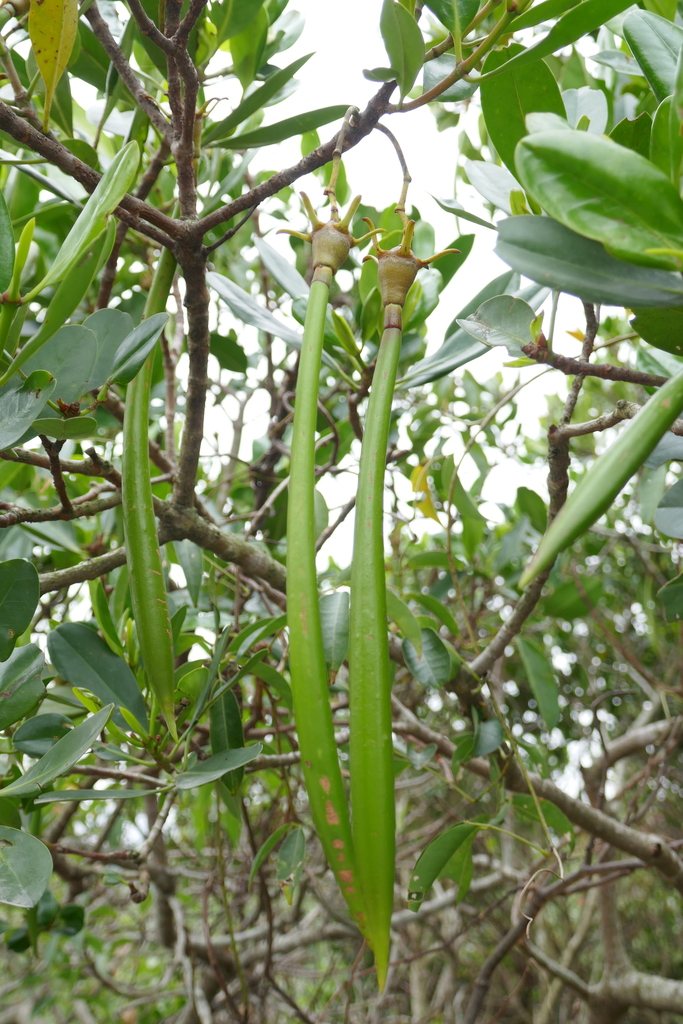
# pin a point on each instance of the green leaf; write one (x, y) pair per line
(502, 320)
(605, 192)
(74, 429)
(21, 402)
(584, 18)
(662, 328)
(229, 353)
(506, 100)
(634, 134)
(287, 276)
(290, 862)
(598, 488)
(245, 308)
(655, 43)
(403, 42)
(400, 613)
(525, 806)
(438, 609)
(40, 733)
(433, 667)
(489, 736)
(69, 795)
(21, 685)
(532, 505)
(263, 851)
(111, 327)
(464, 745)
(100, 608)
(247, 48)
(60, 758)
(553, 255)
(281, 130)
(19, 595)
(451, 206)
(110, 190)
(191, 558)
(25, 868)
(451, 263)
(334, 622)
(669, 514)
(460, 867)
(441, 67)
(133, 351)
(671, 596)
(433, 860)
(541, 679)
(566, 602)
(257, 99)
(274, 679)
(215, 767)
(226, 733)
(69, 355)
(6, 246)
(85, 660)
(233, 16)
(539, 13)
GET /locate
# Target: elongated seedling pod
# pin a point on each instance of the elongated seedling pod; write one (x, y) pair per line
(320, 761)
(147, 587)
(371, 751)
(608, 474)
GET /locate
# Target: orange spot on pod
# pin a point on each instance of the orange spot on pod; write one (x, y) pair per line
(346, 876)
(350, 889)
(331, 815)
(325, 783)
(338, 844)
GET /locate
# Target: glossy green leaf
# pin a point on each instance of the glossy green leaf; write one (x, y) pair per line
(215, 767)
(226, 733)
(566, 601)
(618, 61)
(21, 685)
(662, 328)
(489, 736)
(634, 134)
(281, 130)
(102, 613)
(111, 793)
(458, 346)
(287, 276)
(247, 309)
(399, 612)
(60, 758)
(25, 868)
(290, 861)
(133, 351)
(247, 48)
(532, 505)
(69, 355)
(9, 813)
(66, 298)
(503, 320)
(229, 353)
(110, 190)
(433, 860)
(21, 402)
(83, 659)
(584, 18)
(553, 255)
(669, 514)
(254, 101)
(605, 192)
(542, 681)
(403, 42)
(451, 206)
(433, 667)
(334, 622)
(507, 99)
(191, 558)
(275, 681)
(666, 148)
(439, 609)
(599, 487)
(539, 13)
(655, 43)
(6, 246)
(19, 594)
(111, 327)
(439, 68)
(63, 430)
(40, 733)
(233, 16)
(270, 844)
(464, 745)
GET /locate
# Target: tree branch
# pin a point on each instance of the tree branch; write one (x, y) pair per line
(542, 354)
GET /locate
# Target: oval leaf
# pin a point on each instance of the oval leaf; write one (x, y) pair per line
(133, 351)
(334, 622)
(404, 43)
(433, 860)
(52, 26)
(215, 767)
(434, 667)
(19, 594)
(25, 868)
(21, 401)
(21, 685)
(541, 678)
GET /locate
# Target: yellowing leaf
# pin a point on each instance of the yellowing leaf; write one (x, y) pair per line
(419, 479)
(52, 26)
(579, 335)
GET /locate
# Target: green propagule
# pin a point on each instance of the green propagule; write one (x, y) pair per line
(362, 857)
